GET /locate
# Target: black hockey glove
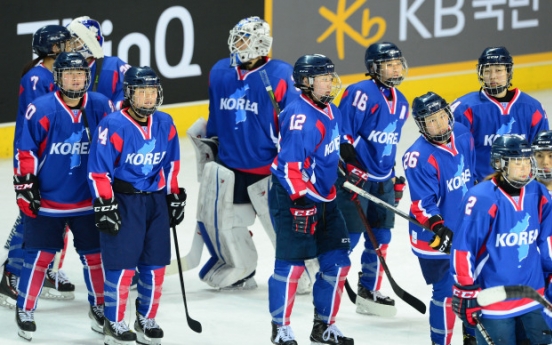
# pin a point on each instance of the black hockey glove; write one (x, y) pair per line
(442, 240)
(176, 203)
(464, 303)
(304, 216)
(108, 219)
(400, 185)
(27, 194)
(357, 177)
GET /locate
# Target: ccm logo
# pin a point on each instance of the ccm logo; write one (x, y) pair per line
(105, 208)
(23, 186)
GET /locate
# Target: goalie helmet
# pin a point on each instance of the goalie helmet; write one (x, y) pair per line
(87, 37)
(249, 39)
(513, 156)
(71, 62)
(309, 66)
(495, 56)
(47, 36)
(137, 78)
(428, 105)
(542, 145)
(377, 55)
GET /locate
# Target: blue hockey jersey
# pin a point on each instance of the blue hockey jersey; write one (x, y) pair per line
(439, 176)
(498, 240)
(308, 150)
(373, 125)
(487, 118)
(242, 116)
(54, 146)
(148, 157)
(110, 82)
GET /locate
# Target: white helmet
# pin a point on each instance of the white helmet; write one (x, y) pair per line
(87, 37)
(249, 39)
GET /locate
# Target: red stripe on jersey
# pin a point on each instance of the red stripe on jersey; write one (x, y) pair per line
(280, 91)
(173, 177)
(345, 93)
(45, 123)
(322, 129)
(294, 178)
(462, 267)
(374, 108)
(102, 185)
(542, 202)
(27, 163)
(21, 89)
(431, 160)
(537, 117)
(60, 206)
(492, 210)
(172, 133)
(51, 87)
(469, 115)
(419, 212)
(114, 81)
(117, 142)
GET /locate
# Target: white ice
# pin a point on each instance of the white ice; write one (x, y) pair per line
(235, 317)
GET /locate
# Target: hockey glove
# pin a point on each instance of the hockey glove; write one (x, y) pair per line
(108, 219)
(464, 303)
(27, 194)
(442, 240)
(400, 185)
(176, 203)
(357, 177)
(304, 216)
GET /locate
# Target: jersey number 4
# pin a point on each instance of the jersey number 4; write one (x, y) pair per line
(102, 135)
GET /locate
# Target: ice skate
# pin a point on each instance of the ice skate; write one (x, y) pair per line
(96, 315)
(25, 322)
(148, 331)
(8, 290)
(323, 334)
(57, 286)
(118, 333)
(282, 335)
(247, 283)
(374, 303)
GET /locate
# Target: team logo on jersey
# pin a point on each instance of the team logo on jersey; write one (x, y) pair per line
(240, 104)
(506, 128)
(334, 144)
(461, 177)
(519, 236)
(387, 136)
(73, 147)
(145, 157)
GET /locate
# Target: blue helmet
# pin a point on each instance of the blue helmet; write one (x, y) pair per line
(427, 105)
(142, 77)
(495, 56)
(508, 148)
(378, 53)
(47, 36)
(87, 37)
(309, 66)
(71, 61)
(543, 142)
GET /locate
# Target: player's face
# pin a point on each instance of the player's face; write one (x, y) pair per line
(322, 85)
(544, 160)
(145, 97)
(519, 169)
(437, 123)
(391, 69)
(73, 80)
(494, 75)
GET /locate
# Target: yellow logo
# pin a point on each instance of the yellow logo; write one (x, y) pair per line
(339, 24)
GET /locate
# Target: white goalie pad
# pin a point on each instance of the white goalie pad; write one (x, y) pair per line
(258, 193)
(205, 148)
(225, 225)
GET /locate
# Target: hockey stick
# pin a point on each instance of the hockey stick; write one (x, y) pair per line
(269, 90)
(191, 260)
(482, 329)
(501, 293)
(193, 324)
(402, 294)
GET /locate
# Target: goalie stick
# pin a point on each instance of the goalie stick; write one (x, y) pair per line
(402, 294)
(191, 260)
(501, 293)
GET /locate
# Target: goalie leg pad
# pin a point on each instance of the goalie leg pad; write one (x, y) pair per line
(258, 193)
(224, 229)
(205, 148)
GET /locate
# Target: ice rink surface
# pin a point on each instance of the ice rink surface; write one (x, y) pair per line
(235, 317)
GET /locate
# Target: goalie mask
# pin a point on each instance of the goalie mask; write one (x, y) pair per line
(512, 155)
(45, 38)
(249, 39)
(386, 63)
(143, 90)
(87, 37)
(72, 74)
(433, 117)
(542, 148)
(315, 76)
(495, 70)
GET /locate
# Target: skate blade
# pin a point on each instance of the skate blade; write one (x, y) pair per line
(368, 307)
(7, 302)
(25, 335)
(96, 327)
(108, 340)
(53, 294)
(142, 339)
(249, 284)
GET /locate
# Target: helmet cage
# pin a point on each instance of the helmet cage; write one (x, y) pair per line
(334, 90)
(503, 164)
(376, 71)
(543, 143)
(142, 111)
(494, 90)
(439, 138)
(71, 62)
(249, 39)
